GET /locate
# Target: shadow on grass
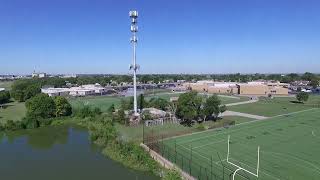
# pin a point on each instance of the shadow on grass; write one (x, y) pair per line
(296, 102)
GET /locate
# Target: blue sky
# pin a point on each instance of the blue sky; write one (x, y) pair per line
(176, 36)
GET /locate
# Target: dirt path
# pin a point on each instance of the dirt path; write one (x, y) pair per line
(252, 116)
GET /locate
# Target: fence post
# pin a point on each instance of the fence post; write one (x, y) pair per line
(206, 173)
(175, 151)
(211, 167)
(223, 172)
(191, 152)
(162, 145)
(143, 132)
(182, 163)
(190, 166)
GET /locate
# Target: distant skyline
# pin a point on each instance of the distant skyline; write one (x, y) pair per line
(213, 36)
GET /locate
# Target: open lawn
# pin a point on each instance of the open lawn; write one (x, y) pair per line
(6, 84)
(102, 102)
(12, 111)
(277, 106)
(289, 149)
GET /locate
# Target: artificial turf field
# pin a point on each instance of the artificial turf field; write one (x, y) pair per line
(289, 148)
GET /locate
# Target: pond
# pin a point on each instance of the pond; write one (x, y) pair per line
(62, 152)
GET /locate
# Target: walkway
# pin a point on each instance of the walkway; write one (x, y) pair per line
(244, 102)
(252, 116)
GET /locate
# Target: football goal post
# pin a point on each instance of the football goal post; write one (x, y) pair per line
(239, 168)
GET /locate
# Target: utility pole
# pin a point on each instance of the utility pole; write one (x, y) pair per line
(134, 67)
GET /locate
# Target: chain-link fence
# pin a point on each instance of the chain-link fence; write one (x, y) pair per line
(194, 164)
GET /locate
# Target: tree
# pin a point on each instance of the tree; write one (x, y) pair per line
(4, 97)
(223, 108)
(188, 107)
(141, 102)
(17, 90)
(111, 109)
(126, 104)
(41, 106)
(302, 96)
(308, 76)
(159, 103)
(212, 107)
(120, 116)
(314, 82)
(63, 107)
(31, 91)
(23, 90)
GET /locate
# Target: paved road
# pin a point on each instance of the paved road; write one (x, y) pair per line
(252, 116)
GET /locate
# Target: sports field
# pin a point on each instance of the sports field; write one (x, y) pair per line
(290, 147)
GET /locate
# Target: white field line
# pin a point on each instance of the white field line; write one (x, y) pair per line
(241, 124)
(242, 129)
(217, 162)
(296, 112)
(205, 157)
(215, 142)
(317, 169)
(260, 171)
(195, 152)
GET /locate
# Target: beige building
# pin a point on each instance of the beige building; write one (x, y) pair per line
(250, 88)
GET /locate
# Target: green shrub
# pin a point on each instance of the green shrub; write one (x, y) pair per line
(201, 127)
(172, 175)
(131, 155)
(87, 111)
(13, 125)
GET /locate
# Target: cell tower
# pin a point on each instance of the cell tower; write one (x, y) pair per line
(134, 67)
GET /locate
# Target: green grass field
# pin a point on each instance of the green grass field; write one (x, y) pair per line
(6, 84)
(276, 106)
(290, 147)
(102, 102)
(12, 111)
